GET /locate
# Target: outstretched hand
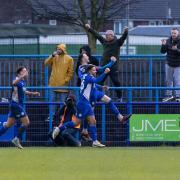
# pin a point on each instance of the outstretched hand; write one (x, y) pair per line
(87, 26)
(36, 93)
(113, 59)
(126, 29)
(163, 41)
(105, 88)
(107, 70)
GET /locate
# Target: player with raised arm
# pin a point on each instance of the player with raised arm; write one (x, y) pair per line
(16, 110)
(89, 94)
(80, 69)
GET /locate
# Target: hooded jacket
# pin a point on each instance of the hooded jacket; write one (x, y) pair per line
(92, 59)
(61, 68)
(173, 56)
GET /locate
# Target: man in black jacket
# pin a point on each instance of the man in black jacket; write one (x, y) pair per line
(171, 46)
(111, 47)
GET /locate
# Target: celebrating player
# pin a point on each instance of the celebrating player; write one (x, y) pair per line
(80, 69)
(89, 94)
(16, 110)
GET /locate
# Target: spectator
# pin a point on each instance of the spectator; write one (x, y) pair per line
(87, 50)
(111, 47)
(171, 46)
(65, 134)
(92, 60)
(61, 71)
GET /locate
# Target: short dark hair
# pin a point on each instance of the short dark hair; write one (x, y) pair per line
(80, 58)
(89, 67)
(20, 69)
(174, 28)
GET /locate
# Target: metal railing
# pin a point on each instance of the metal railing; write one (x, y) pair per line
(134, 70)
(42, 108)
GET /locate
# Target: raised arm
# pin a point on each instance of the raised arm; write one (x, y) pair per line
(163, 46)
(109, 65)
(123, 37)
(19, 78)
(49, 60)
(95, 33)
(92, 79)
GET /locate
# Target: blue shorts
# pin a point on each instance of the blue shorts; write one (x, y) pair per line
(97, 97)
(84, 109)
(16, 111)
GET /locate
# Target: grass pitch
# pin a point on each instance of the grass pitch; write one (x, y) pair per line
(52, 163)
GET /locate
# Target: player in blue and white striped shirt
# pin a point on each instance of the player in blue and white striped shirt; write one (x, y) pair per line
(91, 92)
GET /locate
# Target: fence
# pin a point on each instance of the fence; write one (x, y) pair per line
(35, 44)
(110, 131)
(135, 71)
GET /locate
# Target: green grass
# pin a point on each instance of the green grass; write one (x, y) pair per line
(90, 163)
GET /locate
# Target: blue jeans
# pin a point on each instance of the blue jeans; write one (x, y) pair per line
(71, 135)
(172, 79)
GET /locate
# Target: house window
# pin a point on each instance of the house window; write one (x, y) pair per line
(117, 27)
(160, 22)
(176, 23)
(53, 22)
(152, 23)
(18, 21)
(131, 24)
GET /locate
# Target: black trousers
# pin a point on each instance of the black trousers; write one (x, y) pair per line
(115, 79)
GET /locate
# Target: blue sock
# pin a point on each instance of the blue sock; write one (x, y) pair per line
(21, 131)
(113, 108)
(3, 130)
(93, 132)
(85, 124)
(69, 124)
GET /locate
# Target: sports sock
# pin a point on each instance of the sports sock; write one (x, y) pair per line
(93, 132)
(113, 108)
(21, 131)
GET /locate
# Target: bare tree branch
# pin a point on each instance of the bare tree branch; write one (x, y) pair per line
(78, 12)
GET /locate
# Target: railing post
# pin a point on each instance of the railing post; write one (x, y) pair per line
(129, 110)
(103, 123)
(150, 77)
(157, 100)
(129, 103)
(46, 82)
(24, 134)
(50, 109)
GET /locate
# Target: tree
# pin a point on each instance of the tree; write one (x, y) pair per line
(80, 12)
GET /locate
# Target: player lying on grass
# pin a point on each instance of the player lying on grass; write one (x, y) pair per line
(67, 132)
(90, 93)
(16, 110)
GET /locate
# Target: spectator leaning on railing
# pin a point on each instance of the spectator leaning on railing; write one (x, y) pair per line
(111, 47)
(171, 46)
(62, 66)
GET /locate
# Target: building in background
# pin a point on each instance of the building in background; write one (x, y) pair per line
(149, 12)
